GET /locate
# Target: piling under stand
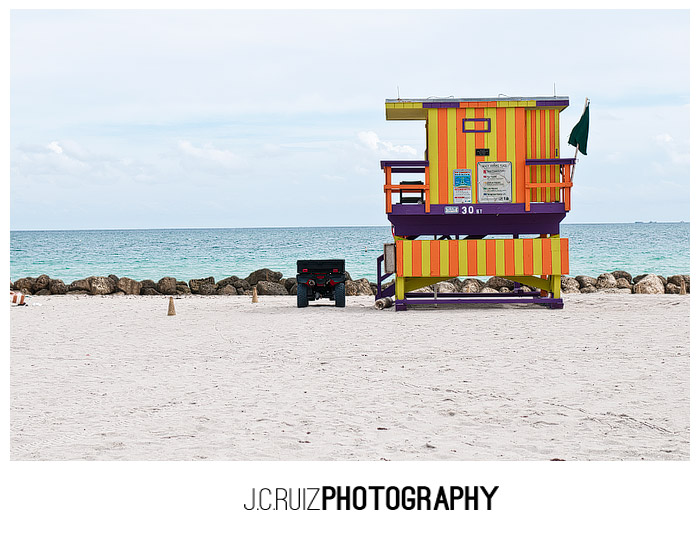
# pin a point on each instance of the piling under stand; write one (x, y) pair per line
(491, 196)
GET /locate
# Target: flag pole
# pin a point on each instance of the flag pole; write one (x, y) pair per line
(573, 167)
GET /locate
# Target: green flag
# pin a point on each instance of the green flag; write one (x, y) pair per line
(579, 134)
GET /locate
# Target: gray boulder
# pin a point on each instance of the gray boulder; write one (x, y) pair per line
(264, 274)
(472, 286)
(499, 282)
(25, 285)
(624, 283)
(129, 286)
(672, 289)
(79, 284)
(361, 287)
(569, 285)
(289, 283)
(638, 278)
(649, 284)
(100, 286)
(207, 289)
(41, 283)
(181, 287)
(148, 283)
(585, 281)
(617, 274)
(228, 290)
(166, 285)
(588, 289)
(57, 287)
(606, 281)
(445, 287)
(457, 283)
(242, 284)
(196, 284)
(679, 279)
(149, 291)
(489, 290)
(271, 288)
(231, 280)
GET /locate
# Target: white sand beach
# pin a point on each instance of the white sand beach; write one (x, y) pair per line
(115, 378)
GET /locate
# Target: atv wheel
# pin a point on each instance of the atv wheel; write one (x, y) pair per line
(339, 294)
(302, 295)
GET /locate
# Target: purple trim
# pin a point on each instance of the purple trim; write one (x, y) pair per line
(468, 294)
(388, 291)
(392, 163)
(441, 105)
(408, 170)
(474, 119)
(548, 161)
(485, 208)
(552, 303)
(557, 103)
(495, 219)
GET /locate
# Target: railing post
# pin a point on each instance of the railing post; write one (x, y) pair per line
(527, 188)
(427, 189)
(567, 190)
(555, 178)
(387, 173)
(379, 276)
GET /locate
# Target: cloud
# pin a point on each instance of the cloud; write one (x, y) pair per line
(676, 154)
(371, 140)
(209, 158)
(55, 147)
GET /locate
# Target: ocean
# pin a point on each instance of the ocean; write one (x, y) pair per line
(660, 248)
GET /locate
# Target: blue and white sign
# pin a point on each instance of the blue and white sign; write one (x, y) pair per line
(462, 189)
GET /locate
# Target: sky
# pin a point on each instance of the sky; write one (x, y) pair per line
(177, 119)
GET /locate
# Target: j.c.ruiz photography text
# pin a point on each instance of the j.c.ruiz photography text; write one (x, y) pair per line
(373, 498)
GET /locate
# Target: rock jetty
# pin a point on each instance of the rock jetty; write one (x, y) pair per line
(270, 283)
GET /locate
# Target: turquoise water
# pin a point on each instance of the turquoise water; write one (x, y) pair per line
(661, 248)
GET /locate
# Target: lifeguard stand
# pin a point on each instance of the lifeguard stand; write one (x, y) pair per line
(492, 175)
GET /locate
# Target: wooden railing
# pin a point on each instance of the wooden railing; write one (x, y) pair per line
(406, 166)
(564, 169)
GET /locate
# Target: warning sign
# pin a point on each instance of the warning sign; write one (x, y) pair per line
(462, 185)
(494, 182)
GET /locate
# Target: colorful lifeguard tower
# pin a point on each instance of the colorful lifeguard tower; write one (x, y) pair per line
(486, 201)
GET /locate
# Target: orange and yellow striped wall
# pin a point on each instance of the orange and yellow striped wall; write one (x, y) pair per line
(519, 131)
(501, 257)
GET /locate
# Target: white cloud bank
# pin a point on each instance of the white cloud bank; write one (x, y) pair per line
(371, 140)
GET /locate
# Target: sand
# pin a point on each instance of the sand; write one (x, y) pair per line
(115, 378)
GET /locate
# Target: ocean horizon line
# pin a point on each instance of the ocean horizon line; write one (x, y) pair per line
(302, 227)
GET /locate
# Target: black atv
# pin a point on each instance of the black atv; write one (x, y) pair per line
(321, 279)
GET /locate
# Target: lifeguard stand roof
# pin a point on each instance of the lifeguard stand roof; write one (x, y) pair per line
(418, 108)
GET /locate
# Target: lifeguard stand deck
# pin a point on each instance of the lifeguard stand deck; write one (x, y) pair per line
(492, 175)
